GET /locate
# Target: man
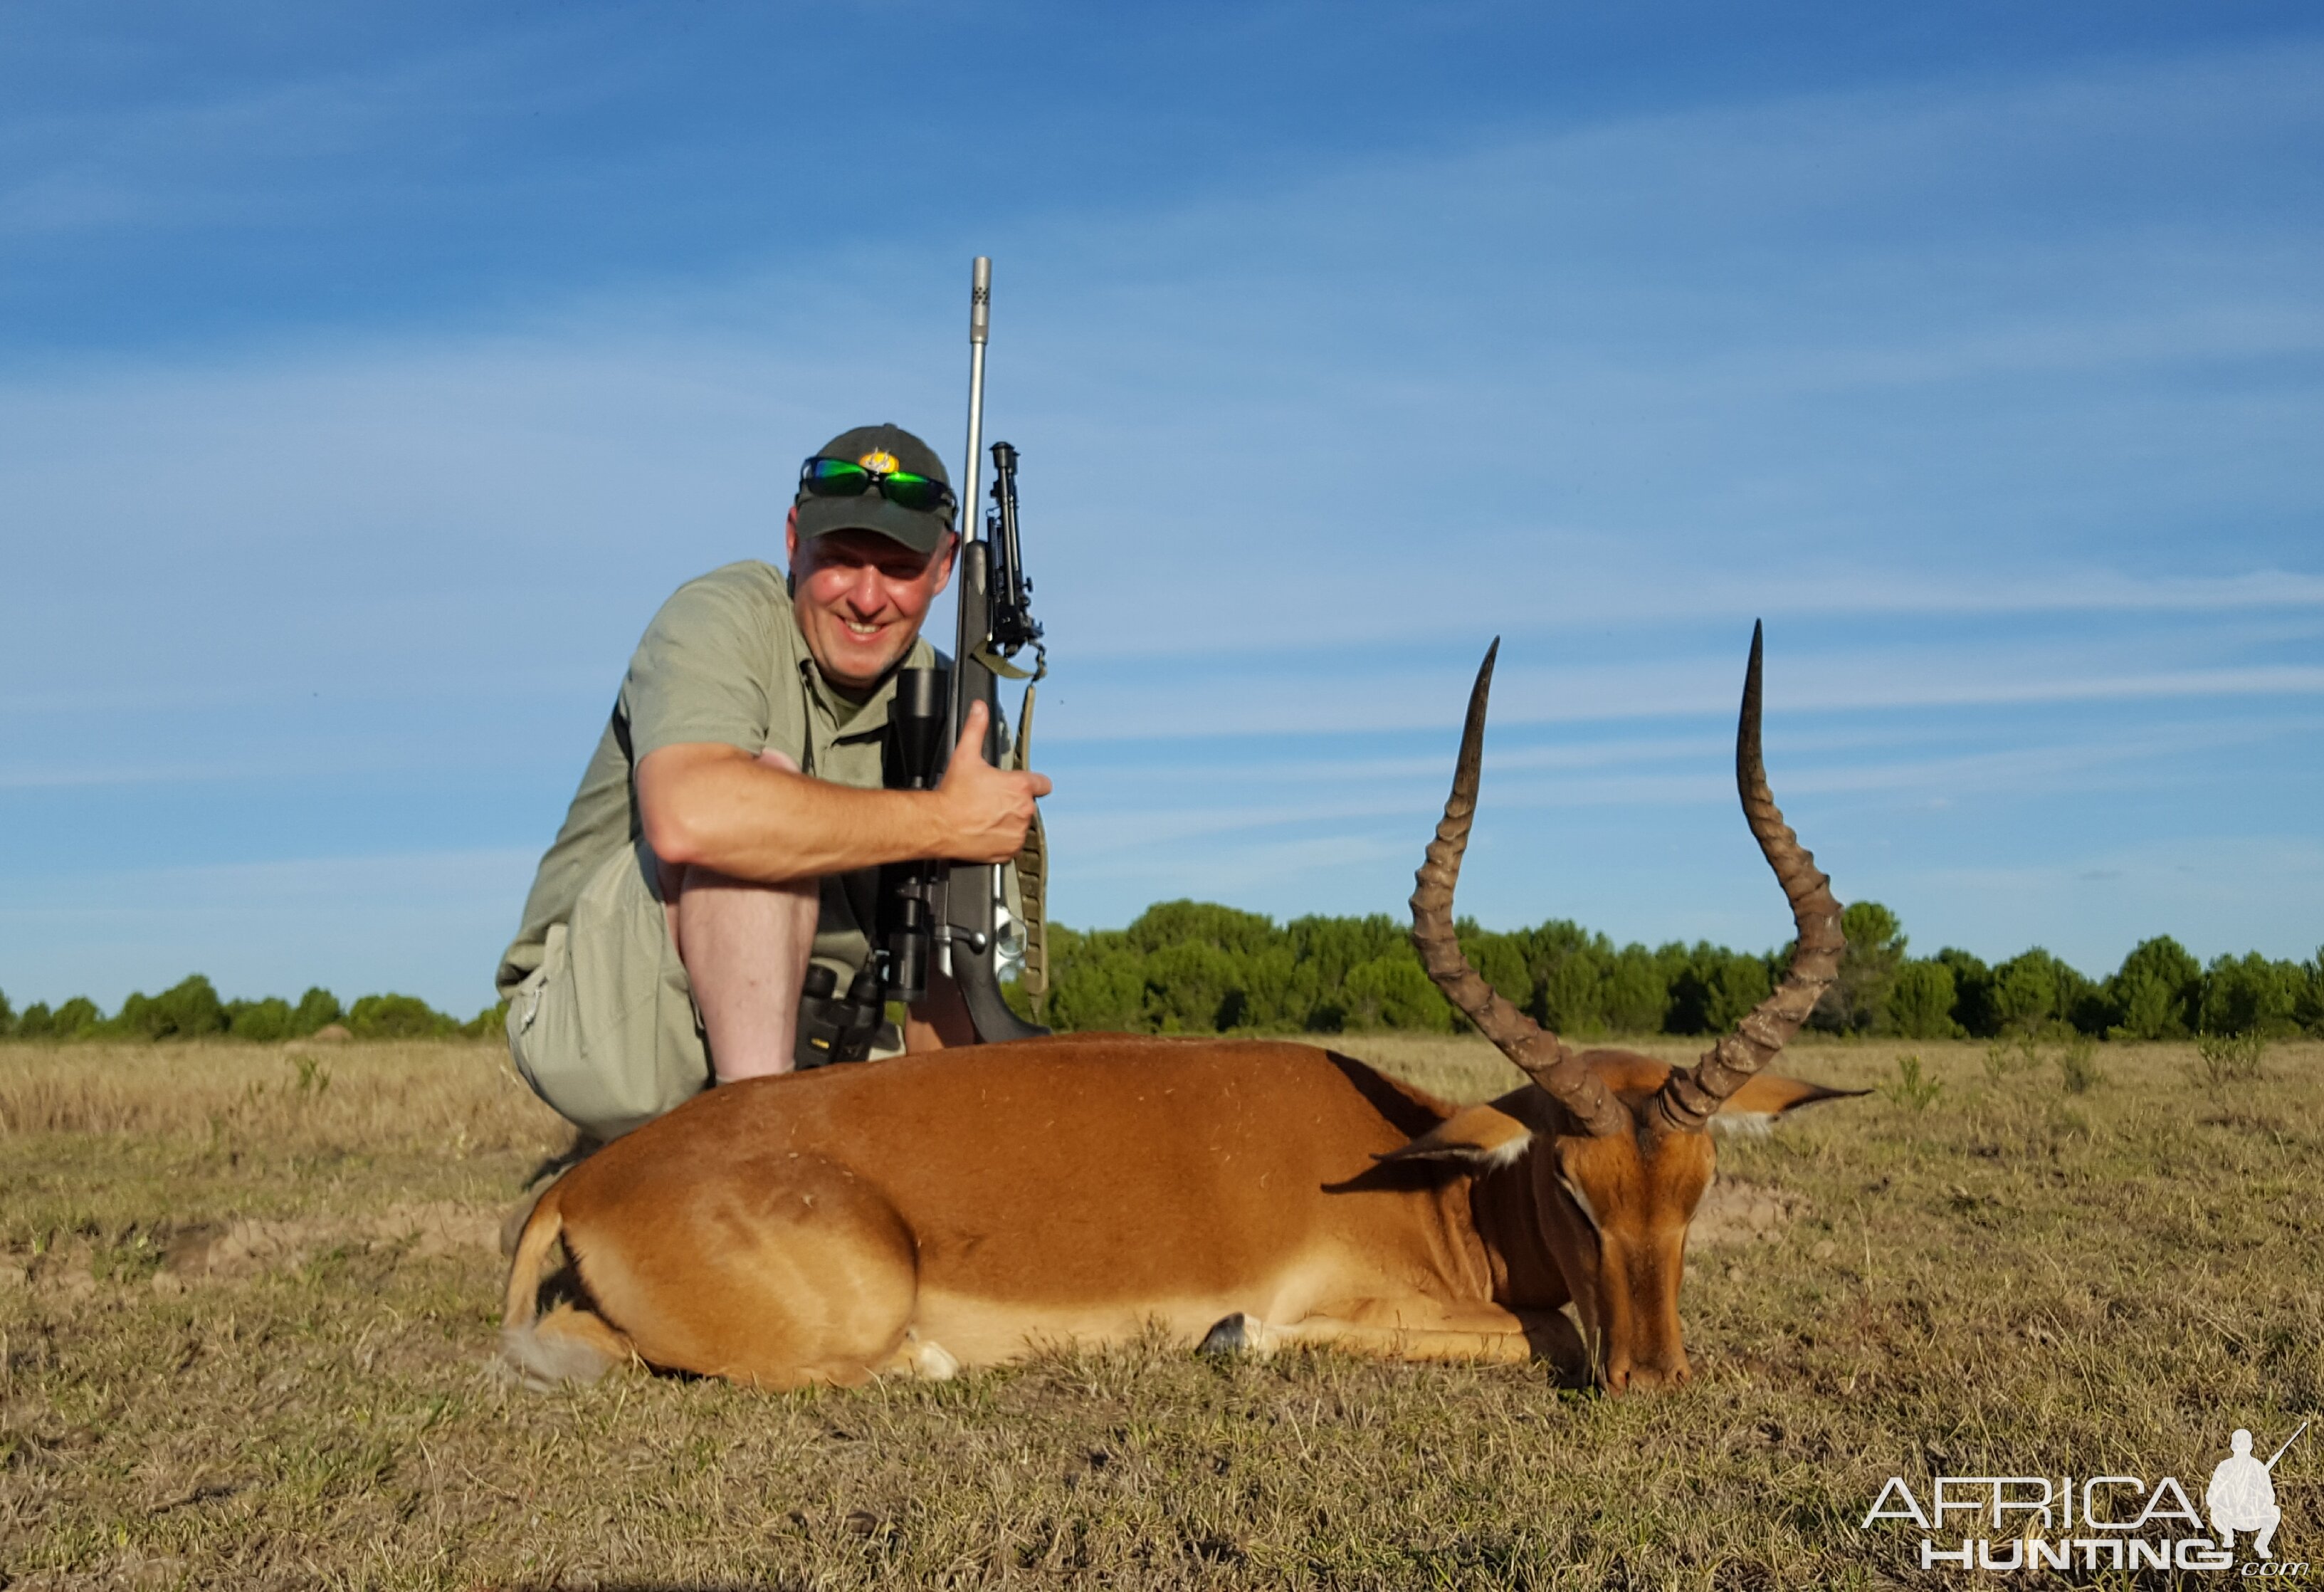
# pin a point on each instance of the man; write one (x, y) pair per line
(2242, 1497)
(731, 823)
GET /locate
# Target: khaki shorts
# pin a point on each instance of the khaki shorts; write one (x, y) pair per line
(605, 1029)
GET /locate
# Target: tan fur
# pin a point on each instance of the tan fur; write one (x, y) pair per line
(928, 1213)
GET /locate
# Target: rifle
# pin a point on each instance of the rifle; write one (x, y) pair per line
(944, 913)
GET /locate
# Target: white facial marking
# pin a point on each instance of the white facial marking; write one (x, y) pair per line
(1581, 1201)
(1503, 1154)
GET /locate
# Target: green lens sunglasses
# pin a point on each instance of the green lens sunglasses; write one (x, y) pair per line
(843, 478)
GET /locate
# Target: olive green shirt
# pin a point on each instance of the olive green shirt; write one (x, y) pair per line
(723, 662)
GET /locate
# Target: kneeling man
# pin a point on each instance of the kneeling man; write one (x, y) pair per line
(730, 824)
(2242, 1497)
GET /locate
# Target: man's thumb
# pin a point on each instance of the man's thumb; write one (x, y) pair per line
(971, 744)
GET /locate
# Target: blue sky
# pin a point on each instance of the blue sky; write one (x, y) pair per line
(368, 375)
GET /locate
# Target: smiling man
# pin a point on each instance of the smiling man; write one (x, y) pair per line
(729, 827)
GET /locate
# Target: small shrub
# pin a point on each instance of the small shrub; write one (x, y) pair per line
(2229, 1058)
(2078, 1065)
(1913, 1091)
(2003, 1057)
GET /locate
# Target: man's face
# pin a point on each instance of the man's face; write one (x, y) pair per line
(860, 598)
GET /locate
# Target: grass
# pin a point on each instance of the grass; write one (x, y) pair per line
(248, 1303)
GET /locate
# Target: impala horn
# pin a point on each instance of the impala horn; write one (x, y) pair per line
(1689, 1100)
(1543, 1056)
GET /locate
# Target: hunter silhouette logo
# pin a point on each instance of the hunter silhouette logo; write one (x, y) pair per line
(880, 463)
(2241, 1493)
(2098, 1522)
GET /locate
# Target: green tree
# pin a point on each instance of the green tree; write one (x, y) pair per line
(398, 1018)
(77, 1019)
(1396, 992)
(489, 1023)
(2024, 993)
(1337, 945)
(1974, 1006)
(263, 1021)
(7, 1016)
(1200, 922)
(1097, 983)
(1921, 1002)
(316, 1010)
(37, 1023)
(188, 1009)
(1499, 959)
(1715, 989)
(1858, 1000)
(2251, 995)
(2157, 991)
(2309, 1009)
(1573, 996)
(1193, 987)
(1280, 991)
(1633, 992)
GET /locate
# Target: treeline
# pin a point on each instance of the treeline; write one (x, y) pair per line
(1188, 966)
(191, 1009)
(1192, 967)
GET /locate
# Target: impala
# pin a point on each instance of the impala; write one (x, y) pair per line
(927, 1212)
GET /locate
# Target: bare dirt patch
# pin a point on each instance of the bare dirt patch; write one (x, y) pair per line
(246, 1248)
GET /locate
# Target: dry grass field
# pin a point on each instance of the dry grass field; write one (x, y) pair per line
(248, 1299)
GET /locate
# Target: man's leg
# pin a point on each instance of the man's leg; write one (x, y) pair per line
(2268, 1523)
(745, 947)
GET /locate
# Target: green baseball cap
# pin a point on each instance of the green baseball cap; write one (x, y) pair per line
(883, 449)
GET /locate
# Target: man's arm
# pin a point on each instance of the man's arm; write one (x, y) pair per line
(717, 807)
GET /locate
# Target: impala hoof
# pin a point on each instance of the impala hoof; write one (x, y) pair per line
(1229, 1337)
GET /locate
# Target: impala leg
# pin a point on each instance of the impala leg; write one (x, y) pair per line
(1394, 1331)
(775, 1274)
(921, 1358)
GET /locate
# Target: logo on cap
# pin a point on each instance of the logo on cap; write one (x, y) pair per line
(881, 462)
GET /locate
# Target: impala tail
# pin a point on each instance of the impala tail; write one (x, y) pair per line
(570, 1343)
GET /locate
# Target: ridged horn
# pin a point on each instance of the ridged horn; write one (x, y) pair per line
(1689, 1100)
(1533, 1047)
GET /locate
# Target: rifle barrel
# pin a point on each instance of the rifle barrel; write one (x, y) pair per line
(980, 327)
(2287, 1445)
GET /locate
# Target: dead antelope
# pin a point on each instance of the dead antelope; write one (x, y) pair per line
(937, 1211)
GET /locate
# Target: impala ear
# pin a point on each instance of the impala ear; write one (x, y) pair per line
(1478, 1135)
(1767, 1095)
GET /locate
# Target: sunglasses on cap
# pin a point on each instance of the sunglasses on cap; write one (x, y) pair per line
(843, 478)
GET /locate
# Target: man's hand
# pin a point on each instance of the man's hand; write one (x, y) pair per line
(986, 810)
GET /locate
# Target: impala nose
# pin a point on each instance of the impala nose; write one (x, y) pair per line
(1635, 1377)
